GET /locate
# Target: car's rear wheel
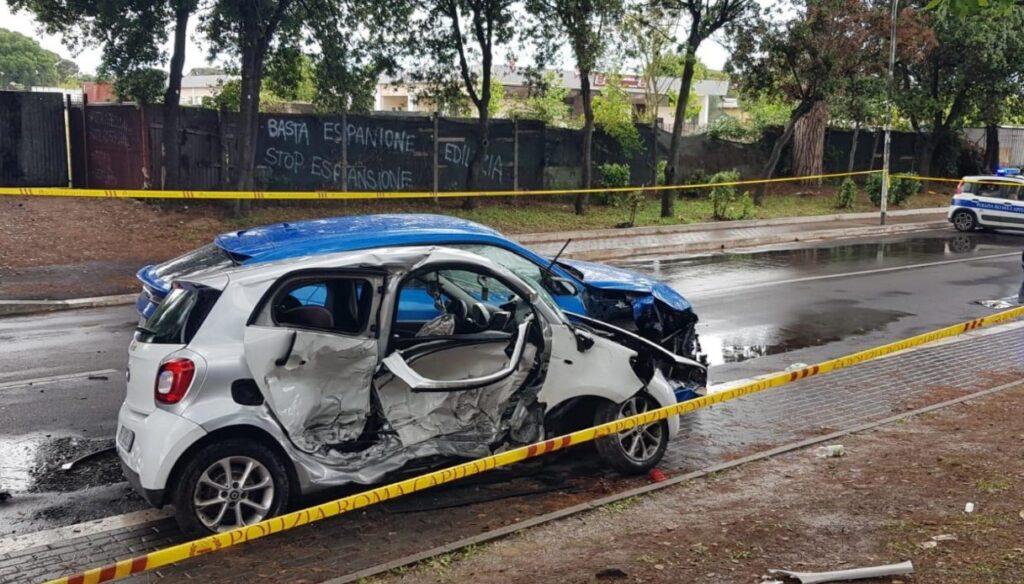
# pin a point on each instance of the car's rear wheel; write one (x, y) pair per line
(965, 221)
(633, 451)
(230, 484)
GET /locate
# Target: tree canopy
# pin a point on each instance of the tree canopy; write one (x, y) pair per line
(24, 63)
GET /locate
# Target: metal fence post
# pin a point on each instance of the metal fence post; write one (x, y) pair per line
(85, 138)
(436, 143)
(344, 151)
(515, 154)
(67, 134)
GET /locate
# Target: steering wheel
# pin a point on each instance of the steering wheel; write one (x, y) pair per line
(478, 318)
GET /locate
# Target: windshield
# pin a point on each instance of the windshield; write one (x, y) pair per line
(530, 272)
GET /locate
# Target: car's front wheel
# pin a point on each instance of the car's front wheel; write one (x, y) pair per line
(634, 451)
(965, 221)
(230, 484)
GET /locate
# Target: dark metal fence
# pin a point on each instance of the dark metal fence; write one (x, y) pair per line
(120, 146)
(33, 140)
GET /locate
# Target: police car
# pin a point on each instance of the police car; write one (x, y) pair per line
(989, 201)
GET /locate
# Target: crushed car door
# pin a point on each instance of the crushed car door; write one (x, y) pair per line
(457, 378)
(312, 347)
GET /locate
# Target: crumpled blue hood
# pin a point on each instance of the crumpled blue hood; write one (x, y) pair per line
(605, 277)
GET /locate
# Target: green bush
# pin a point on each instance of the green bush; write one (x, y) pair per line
(900, 190)
(732, 129)
(846, 195)
(726, 202)
(613, 176)
(904, 188)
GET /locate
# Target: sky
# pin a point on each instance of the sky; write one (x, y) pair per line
(711, 53)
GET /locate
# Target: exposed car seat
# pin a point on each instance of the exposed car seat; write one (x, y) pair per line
(308, 316)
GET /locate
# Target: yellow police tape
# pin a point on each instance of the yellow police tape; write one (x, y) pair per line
(294, 519)
(369, 195)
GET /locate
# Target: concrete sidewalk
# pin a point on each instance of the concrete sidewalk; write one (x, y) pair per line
(842, 400)
(608, 244)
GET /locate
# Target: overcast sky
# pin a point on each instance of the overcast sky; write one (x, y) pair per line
(711, 53)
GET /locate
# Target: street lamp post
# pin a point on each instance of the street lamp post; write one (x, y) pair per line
(883, 203)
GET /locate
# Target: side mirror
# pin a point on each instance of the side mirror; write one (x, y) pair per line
(563, 287)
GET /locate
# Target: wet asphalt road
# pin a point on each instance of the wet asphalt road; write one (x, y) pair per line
(759, 311)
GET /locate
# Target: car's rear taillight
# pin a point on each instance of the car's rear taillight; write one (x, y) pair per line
(960, 188)
(173, 380)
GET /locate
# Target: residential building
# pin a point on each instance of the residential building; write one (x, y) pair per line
(402, 97)
(202, 83)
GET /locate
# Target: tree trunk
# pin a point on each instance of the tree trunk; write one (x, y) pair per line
(809, 141)
(672, 171)
(853, 147)
(773, 160)
(992, 147)
(586, 145)
(172, 99)
(925, 152)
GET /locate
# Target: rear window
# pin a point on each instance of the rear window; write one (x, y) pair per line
(178, 318)
(206, 258)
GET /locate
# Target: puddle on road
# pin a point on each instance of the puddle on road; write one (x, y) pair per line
(723, 271)
(31, 463)
(812, 329)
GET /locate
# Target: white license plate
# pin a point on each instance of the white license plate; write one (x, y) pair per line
(125, 438)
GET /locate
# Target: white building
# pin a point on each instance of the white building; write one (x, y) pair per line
(391, 97)
(196, 87)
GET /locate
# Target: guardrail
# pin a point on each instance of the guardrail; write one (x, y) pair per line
(294, 519)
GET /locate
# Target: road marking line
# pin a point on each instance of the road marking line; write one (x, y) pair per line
(701, 293)
(56, 378)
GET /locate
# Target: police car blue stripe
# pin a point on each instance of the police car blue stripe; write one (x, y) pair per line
(972, 204)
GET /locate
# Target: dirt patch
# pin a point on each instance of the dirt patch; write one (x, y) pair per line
(898, 494)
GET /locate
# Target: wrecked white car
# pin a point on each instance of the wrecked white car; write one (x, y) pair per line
(252, 385)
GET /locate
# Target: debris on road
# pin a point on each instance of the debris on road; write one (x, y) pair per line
(969, 508)
(845, 575)
(4, 496)
(70, 465)
(657, 475)
(831, 451)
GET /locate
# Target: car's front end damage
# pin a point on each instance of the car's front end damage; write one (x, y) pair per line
(638, 303)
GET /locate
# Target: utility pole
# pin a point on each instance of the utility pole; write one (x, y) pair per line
(886, 180)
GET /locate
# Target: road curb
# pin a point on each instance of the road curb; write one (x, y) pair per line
(561, 236)
(19, 307)
(722, 244)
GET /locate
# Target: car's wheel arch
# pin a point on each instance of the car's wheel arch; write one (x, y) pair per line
(242, 431)
(977, 221)
(577, 412)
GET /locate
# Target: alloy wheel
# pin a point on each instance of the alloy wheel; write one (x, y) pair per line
(232, 492)
(640, 443)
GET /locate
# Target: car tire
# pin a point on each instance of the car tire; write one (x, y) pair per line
(634, 451)
(965, 221)
(250, 496)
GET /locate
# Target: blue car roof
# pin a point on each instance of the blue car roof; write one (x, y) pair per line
(337, 234)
